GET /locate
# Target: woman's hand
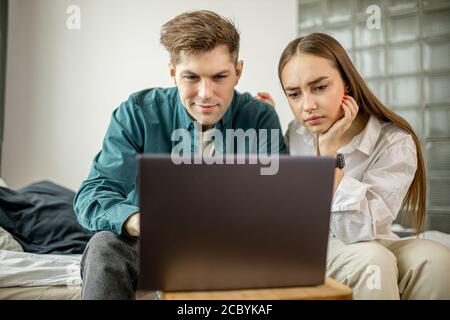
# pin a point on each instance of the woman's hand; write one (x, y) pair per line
(265, 97)
(331, 140)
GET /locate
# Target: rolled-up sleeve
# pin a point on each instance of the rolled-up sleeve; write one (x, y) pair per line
(363, 209)
(103, 199)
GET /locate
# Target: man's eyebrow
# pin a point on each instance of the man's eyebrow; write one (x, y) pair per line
(222, 72)
(318, 79)
(188, 72)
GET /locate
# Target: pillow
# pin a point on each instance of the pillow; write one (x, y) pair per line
(41, 219)
(7, 242)
(2, 183)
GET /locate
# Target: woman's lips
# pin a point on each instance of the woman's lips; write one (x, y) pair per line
(315, 120)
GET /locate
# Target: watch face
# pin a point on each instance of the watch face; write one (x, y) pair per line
(340, 161)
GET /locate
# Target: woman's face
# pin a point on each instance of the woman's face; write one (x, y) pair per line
(315, 90)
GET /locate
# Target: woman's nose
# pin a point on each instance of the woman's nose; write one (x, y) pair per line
(309, 104)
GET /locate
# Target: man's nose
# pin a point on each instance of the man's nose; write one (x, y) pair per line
(206, 90)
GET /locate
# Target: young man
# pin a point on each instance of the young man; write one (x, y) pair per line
(204, 65)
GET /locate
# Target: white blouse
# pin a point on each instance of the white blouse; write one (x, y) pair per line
(380, 163)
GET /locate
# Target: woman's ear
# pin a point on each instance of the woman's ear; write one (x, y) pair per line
(347, 89)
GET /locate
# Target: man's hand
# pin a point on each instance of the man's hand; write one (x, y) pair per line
(132, 225)
(265, 97)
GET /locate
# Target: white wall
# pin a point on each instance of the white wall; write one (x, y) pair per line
(62, 85)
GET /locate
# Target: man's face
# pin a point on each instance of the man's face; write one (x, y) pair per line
(206, 81)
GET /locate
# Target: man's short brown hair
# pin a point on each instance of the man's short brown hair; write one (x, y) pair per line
(199, 31)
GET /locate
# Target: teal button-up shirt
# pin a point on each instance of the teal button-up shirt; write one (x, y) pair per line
(144, 124)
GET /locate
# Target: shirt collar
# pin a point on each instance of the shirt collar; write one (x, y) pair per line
(185, 119)
(226, 122)
(365, 141)
(308, 137)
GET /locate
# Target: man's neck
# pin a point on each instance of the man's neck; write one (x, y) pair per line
(206, 127)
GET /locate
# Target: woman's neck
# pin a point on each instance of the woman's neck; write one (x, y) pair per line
(356, 127)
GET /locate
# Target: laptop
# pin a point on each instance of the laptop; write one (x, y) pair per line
(227, 226)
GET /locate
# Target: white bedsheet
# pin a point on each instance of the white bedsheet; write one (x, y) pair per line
(29, 269)
(23, 269)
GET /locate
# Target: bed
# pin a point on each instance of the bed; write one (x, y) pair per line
(51, 271)
(25, 275)
(40, 293)
(41, 243)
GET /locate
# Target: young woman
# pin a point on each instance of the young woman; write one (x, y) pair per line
(384, 173)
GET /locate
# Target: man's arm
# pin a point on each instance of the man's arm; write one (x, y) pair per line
(105, 199)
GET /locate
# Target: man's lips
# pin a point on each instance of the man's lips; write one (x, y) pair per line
(206, 105)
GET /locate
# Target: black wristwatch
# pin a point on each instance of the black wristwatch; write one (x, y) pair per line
(340, 161)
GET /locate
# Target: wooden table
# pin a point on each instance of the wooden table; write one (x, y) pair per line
(330, 290)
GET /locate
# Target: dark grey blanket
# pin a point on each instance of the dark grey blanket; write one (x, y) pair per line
(41, 218)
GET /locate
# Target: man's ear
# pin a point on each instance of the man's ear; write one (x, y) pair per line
(239, 67)
(172, 73)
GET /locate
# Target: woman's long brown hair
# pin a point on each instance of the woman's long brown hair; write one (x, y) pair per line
(325, 46)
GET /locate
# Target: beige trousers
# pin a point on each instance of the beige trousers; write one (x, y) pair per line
(391, 269)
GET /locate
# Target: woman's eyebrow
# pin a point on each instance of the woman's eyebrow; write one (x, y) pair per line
(318, 79)
(310, 83)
